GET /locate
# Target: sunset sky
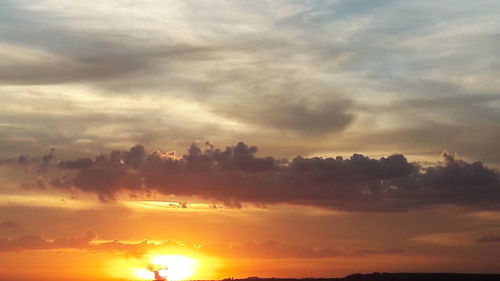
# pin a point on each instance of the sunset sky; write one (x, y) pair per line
(248, 138)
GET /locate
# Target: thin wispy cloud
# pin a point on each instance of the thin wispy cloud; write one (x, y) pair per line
(318, 72)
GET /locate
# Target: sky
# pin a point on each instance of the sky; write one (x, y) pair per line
(254, 138)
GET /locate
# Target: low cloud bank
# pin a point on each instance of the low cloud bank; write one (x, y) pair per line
(266, 249)
(236, 175)
(36, 242)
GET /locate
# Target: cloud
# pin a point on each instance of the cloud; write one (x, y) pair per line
(307, 116)
(381, 252)
(266, 249)
(274, 249)
(236, 175)
(128, 248)
(36, 242)
(447, 119)
(35, 50)
(83, 242)
(490, 238)
(313, 73)
(7, 224)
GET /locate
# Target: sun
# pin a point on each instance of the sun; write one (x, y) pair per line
(178, 267)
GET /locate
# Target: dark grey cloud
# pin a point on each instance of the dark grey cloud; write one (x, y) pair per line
(299, 114)
(236, 175)
(108, 65)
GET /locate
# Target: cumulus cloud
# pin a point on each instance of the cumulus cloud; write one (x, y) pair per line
(235, 175)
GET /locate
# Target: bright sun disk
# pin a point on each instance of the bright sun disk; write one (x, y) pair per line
(178, 267)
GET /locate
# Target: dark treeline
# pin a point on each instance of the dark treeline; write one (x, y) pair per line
(392, 277)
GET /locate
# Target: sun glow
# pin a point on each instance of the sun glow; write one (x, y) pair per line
(143, 273)
(178, 267)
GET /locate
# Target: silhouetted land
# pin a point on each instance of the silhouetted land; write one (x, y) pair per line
(392, 277)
